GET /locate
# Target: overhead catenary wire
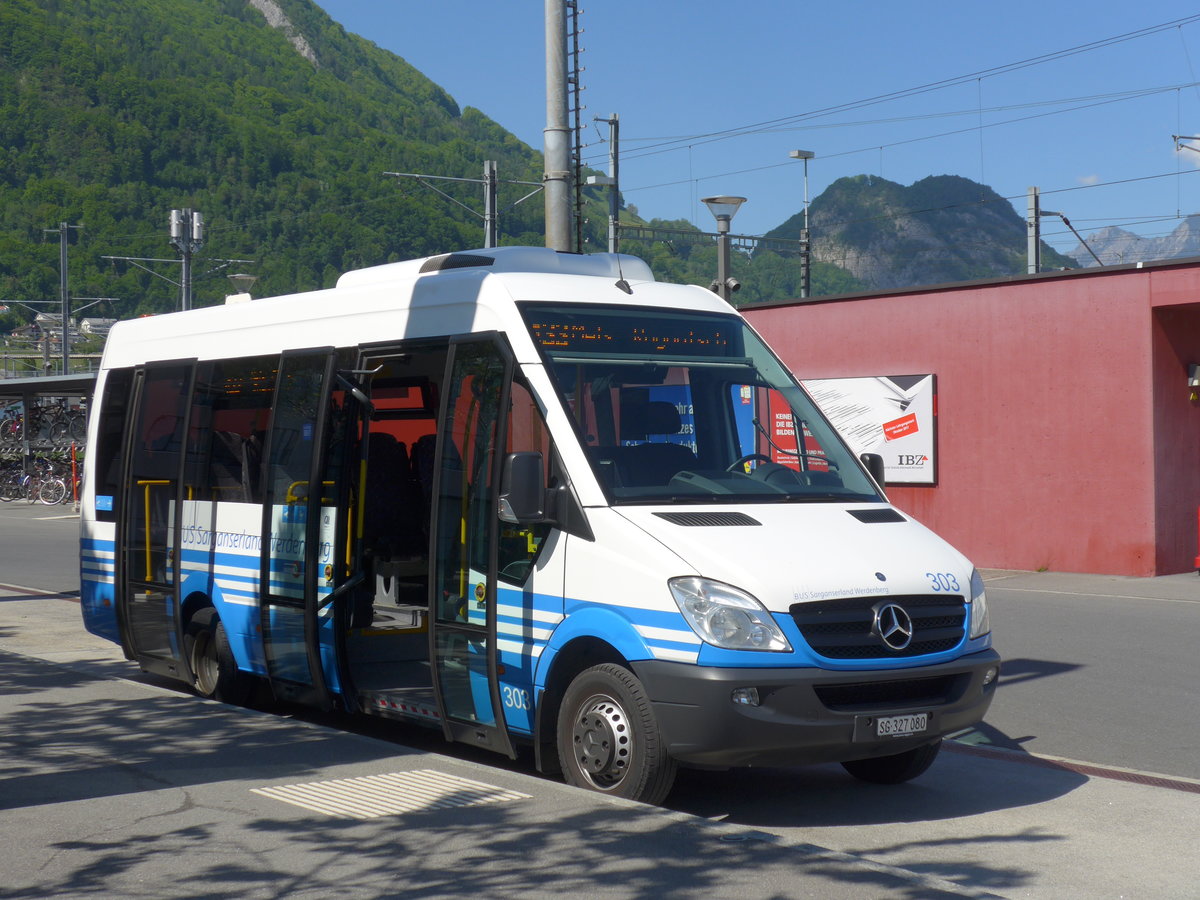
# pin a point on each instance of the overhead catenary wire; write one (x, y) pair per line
(991, 72)
(810, 119)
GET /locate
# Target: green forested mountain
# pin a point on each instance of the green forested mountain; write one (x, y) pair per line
(765, 275)
(939, 229)
(112, 112)
(277, 125)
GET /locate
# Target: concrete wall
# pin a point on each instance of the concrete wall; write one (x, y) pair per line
(1066, 436)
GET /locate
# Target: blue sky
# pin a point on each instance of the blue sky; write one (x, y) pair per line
(1078, 99)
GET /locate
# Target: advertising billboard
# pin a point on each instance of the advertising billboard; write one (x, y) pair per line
(892, 415)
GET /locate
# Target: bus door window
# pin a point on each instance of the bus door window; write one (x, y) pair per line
(466, 528)
(520, 544)
(300, 520)
(340, 486)
(149, 560)
(399, 473)
(109, 444)
(228, 425)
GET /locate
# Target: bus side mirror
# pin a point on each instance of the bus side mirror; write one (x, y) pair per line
(523, 488)
(874, 464)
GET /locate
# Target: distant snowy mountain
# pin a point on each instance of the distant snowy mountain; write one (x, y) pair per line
(1116, 246)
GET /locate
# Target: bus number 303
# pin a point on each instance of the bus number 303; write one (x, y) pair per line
(942, 581)
(516, 698)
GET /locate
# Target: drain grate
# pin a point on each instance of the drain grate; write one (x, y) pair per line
(372, 796)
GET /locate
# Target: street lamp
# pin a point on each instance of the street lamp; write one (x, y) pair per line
(805, 247)
(723, 210)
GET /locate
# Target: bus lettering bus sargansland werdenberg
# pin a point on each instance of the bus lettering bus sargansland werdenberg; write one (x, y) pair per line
(528, 498)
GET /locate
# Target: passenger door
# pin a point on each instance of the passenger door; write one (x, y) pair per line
(466, 532)
(149, 540)
(304, 563)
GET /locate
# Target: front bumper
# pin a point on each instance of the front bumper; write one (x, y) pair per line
(810, 715)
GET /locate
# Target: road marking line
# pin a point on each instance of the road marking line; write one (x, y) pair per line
(1089, 594)
(73, 596)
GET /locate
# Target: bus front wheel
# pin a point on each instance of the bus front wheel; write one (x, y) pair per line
(211, 660)
(608, 737)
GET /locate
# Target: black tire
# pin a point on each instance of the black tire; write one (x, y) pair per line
(895, 769)
(52, 492)
(211, 660)
(608, 737)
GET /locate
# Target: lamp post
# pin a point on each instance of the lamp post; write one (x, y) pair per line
(724, 209)
(805, 247)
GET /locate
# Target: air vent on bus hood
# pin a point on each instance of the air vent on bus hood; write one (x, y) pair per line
(876, 516)
(709, 519)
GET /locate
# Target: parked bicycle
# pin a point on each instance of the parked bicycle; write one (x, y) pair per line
(51, 420)
(45, 481)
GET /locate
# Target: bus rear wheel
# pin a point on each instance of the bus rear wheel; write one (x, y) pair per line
(895, 769)
(608, 737)
(211, 660)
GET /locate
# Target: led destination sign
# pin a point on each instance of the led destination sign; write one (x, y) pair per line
(631, 332)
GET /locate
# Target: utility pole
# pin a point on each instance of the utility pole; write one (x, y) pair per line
(490, 182)
(614, 172)
(187, 236)
(489, 203)
(575, 110)
(805, 242)
(611, 180)
(1033, 232)
(556, 143)
(64, 299)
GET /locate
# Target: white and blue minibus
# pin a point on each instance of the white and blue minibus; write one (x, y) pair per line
(529, 498)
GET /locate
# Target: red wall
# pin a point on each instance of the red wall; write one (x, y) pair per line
(1066, 437)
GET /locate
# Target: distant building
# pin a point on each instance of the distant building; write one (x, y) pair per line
(98, 327)
(1067, 433)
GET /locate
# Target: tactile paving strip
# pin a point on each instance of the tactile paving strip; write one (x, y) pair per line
(372, 796)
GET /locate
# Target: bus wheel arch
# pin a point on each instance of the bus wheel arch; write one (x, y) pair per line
(608, 738)
(575, 656)
(211, 660)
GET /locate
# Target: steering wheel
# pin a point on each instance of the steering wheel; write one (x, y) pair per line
(739, 463)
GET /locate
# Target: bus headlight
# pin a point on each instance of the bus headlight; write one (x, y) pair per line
(727, 617)
(980, 623)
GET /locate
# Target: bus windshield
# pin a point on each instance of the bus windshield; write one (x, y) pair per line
(690, 407)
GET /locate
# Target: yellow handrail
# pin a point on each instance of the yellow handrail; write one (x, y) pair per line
(147, 485)
(293, 497)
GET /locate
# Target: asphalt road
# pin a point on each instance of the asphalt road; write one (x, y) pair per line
(39, 545)
(1083, 782)
(1099, 668)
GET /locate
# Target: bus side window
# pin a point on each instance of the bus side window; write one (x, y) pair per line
(109, 443)
(230, 409)
(520, 544)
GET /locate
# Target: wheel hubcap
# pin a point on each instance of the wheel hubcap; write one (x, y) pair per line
(205, 664)
(602, 741)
